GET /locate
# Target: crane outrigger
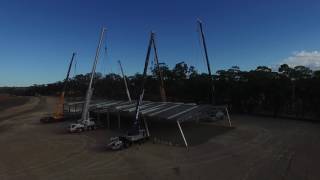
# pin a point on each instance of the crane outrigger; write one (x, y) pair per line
(85, 123)
(58, 115)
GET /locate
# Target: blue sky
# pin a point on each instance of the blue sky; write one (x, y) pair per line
(37, 37)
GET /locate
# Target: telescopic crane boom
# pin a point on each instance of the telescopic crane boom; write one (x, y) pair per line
(136, 122)
(85, 123)
(203, 40)
(58, 114)
(125, 81)
(59, 110)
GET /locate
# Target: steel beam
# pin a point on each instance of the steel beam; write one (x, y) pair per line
(182, 134)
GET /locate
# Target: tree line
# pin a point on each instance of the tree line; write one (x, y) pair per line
(289, 91)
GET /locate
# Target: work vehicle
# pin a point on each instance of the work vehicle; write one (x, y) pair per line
(86, 123)
(83, 126)
(122, 142)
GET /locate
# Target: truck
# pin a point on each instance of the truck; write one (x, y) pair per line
(122, 142)
(83, 126)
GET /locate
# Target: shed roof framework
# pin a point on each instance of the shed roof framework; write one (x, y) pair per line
(175, 112)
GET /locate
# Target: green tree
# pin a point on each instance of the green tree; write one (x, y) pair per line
(301, 72)
(285, 70)
(263, 69)
(180, 71)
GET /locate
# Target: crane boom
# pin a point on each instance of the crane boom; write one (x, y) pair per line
(136, 134)
(68, 72)
(160, 73)
(136, 123)
(207, 61)
(125, 81)
(59, 108)
(85, 112)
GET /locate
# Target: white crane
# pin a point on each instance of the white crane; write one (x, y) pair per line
(85, 123)
(125, 82)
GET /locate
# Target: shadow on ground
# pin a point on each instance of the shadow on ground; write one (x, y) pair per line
(195, 133)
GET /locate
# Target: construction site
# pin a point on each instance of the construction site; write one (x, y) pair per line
(46, 137)
(166, 121)
(255, 148)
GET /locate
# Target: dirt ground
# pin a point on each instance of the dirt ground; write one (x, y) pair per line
(7, 101)
(257, 148)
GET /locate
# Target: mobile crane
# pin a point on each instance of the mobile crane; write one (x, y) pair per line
(58, 115)
(136, 134)
(86, 123)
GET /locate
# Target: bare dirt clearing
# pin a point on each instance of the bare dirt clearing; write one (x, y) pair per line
(258, 148)
(7, 101)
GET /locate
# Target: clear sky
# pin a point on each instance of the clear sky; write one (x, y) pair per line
(37, 37)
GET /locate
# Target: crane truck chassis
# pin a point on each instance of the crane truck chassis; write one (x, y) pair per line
(123, 142)
(83, 126)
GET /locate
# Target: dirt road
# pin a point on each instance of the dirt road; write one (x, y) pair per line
(258, 148)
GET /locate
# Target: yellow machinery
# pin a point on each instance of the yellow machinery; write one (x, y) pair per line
(58, 115)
